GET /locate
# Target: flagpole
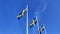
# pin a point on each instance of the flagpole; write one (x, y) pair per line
(45, 30)
(37, 23)
(27, 20)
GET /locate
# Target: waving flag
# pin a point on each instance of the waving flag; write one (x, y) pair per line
(34, 21)
(41, 29)
(21, 14)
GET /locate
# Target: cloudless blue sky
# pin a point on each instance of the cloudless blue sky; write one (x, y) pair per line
(48, 12)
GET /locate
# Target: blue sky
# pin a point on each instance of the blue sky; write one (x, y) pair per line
(48, 12)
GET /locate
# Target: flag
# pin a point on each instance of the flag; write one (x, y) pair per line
(41, 29)
(34, 21)
(21, 14)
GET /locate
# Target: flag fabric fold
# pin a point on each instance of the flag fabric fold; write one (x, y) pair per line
(34, 21)
(21, 14)
(41, 29)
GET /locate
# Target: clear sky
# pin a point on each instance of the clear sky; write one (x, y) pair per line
(48, 12)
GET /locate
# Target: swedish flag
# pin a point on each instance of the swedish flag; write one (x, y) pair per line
(34, 21)
(41, 29)
(21, 14)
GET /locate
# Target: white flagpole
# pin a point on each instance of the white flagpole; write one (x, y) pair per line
(27, 20)
(37, 23)
(45, 30)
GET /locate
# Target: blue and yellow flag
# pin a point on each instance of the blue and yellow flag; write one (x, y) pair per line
(41, 29)
(34, 21)
(21, 14)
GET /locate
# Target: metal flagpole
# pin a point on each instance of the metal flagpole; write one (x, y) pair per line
(27, 20)
(45, 30)
(37, 22)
